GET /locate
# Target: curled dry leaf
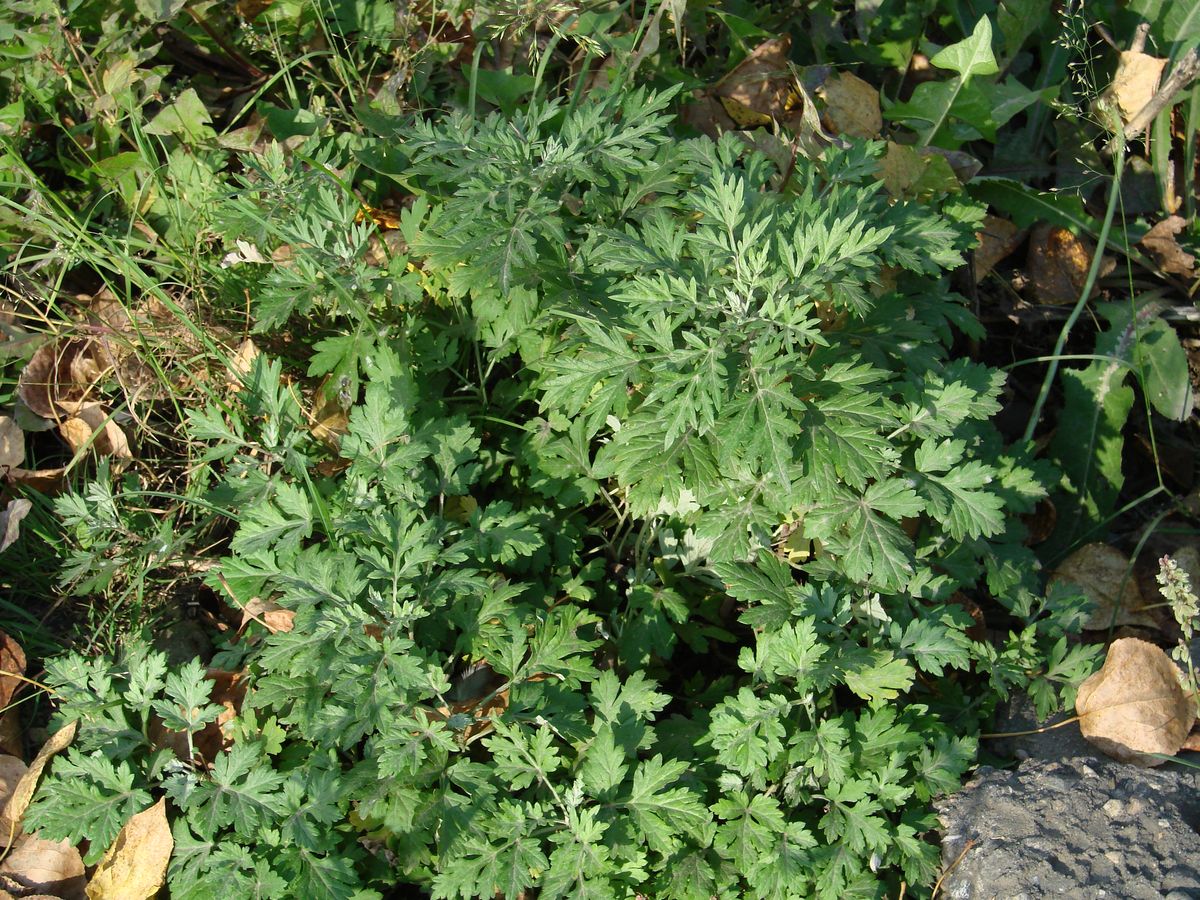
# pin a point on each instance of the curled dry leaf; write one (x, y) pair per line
(11, 770)
(851, 106)
(12, 667)
(1101, 571)
(92, 427)
(37, 866)
(15, 808)
(134, 867)
(1160, 243)
(1135, 81)
(1059, 263)
(12, 443)
(44, 481)
(1135, 706)
(758, 90)
(57, 380)
(997, 239)
(269, 614)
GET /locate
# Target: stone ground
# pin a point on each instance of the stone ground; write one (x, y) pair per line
(1068, 822)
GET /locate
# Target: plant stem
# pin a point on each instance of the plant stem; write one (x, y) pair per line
(1114, 197)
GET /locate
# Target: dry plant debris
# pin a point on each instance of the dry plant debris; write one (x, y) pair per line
(1103, 574)
(1135, 705)
(135, 866)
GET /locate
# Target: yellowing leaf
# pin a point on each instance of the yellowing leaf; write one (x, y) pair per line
(134, 867)
(851, 106)
(1134, 706)
(1102, 572)
(743, 116)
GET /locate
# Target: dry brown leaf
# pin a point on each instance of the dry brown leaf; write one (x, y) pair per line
(269, 614)
(1135, 81)
(1101, 571)
(12, 443)
(134, 867)
(1135, 706)
(44, 481)
(851, 106)
(15, 808)
(1059, 263)
(92, 427)
(57, 380)
(997, 239)
(329, 417)
(763, 80)
(11, 770)
(38, 866)
(1162, 246)
(12, 667)
(240, 363)
(10, 521)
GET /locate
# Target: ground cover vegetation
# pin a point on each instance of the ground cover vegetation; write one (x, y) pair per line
(575, 450)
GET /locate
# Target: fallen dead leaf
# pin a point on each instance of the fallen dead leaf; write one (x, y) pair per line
(329, 418)
(851, 106)
(57, 379)
(1059, 263)
(10, 521)
(269, 614)
(997, 239)
(15, 808)
(1135, 81)
(1161, 244)
(134, 867)
(45, 481)
(92, 427)
(1135, 706)
(38, 866)
(758, 90)
(909, 172)
(12, 443)
(12, 667)
(11, 770)
(241, 362)
(1100, 571)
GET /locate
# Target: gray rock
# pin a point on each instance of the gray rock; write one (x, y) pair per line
(1076, 827)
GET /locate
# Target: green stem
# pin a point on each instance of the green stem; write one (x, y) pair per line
(1114, 196)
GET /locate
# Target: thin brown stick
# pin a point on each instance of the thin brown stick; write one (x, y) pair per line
(938, 884)
(1042, 730)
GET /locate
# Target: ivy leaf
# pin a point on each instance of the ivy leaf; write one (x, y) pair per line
(971, 56)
